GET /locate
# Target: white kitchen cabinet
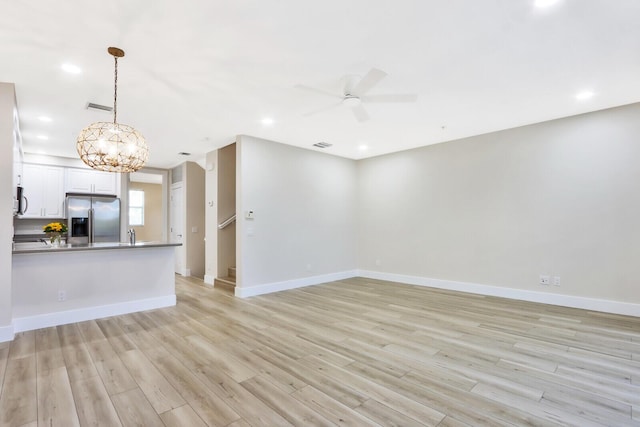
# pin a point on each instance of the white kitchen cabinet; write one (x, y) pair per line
(105, 182)
(18, 155)
(91, 181)
(44, 190)
(18, 159)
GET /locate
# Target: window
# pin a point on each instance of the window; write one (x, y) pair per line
(136, 207)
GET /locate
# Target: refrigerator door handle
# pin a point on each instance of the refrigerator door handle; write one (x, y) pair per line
(90, 225)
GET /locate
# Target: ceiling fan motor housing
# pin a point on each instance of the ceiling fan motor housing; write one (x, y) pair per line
(351, 101)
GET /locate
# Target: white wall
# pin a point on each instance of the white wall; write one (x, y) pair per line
(305, 216)
(194, 232)
(7, 106)
(560, 198)
(211, 217)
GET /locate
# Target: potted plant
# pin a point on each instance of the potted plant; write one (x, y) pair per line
(54, 231)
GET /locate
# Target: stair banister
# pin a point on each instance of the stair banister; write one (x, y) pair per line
(227, 222)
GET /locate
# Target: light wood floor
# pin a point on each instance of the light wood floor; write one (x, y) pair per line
(351, 353)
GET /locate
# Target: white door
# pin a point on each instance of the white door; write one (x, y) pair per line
(177, 225)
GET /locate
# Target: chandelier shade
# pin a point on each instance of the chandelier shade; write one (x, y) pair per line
(112, 146)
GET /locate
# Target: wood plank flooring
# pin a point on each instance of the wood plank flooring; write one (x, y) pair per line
(357, 352)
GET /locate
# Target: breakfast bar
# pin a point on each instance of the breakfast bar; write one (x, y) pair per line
(57, 285)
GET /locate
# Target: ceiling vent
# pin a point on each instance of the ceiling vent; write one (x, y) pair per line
(184, 153)
(98, 107)
(322, 145)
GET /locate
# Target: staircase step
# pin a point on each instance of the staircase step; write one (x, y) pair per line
(228, 283)
(232, 272)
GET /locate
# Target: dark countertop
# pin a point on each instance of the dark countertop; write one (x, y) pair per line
(42, 247)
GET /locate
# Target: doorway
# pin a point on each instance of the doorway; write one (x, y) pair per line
(226, 232)
(177, 225)
(147, 207)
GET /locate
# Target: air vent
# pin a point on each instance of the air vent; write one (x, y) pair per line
(98, 107)
(322, 145)
(183, 153)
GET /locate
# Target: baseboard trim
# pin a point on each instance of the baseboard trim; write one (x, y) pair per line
(6, 333)
(606, 306)
(29, 323)
(209, 280)
(268, 288)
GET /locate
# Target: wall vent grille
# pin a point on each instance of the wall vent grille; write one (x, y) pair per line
(322, 145)
(98, 107)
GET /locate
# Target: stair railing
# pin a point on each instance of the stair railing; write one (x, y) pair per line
(227, 222)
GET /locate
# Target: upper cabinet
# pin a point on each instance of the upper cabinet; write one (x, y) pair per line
(91, 181)
(18, 155)
(43, 190)
(46, 186)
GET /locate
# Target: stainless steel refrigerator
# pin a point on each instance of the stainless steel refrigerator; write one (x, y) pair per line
(92, 218)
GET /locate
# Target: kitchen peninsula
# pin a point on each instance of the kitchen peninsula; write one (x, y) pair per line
(72, 283)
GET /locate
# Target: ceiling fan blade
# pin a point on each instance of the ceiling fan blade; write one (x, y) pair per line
(319, 91)
(328, 107)
(397, 97)
(360, 113)
(369, 81)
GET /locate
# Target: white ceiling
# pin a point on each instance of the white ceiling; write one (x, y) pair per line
(198, 72)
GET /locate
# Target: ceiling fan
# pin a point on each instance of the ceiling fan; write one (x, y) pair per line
(355, 94)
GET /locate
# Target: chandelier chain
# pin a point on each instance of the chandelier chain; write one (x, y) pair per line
(115, 91)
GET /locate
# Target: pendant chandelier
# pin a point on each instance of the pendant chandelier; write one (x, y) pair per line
(112, 147)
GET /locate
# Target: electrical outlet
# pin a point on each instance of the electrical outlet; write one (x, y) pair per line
(62, 296)
(556, 280)
(545, 280)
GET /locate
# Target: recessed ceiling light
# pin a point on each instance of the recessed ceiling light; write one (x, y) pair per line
(71, 69)
(45, 119)
(363, 147)
(584, 95)
(267, 121)
(43, 137)
(545, 3)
